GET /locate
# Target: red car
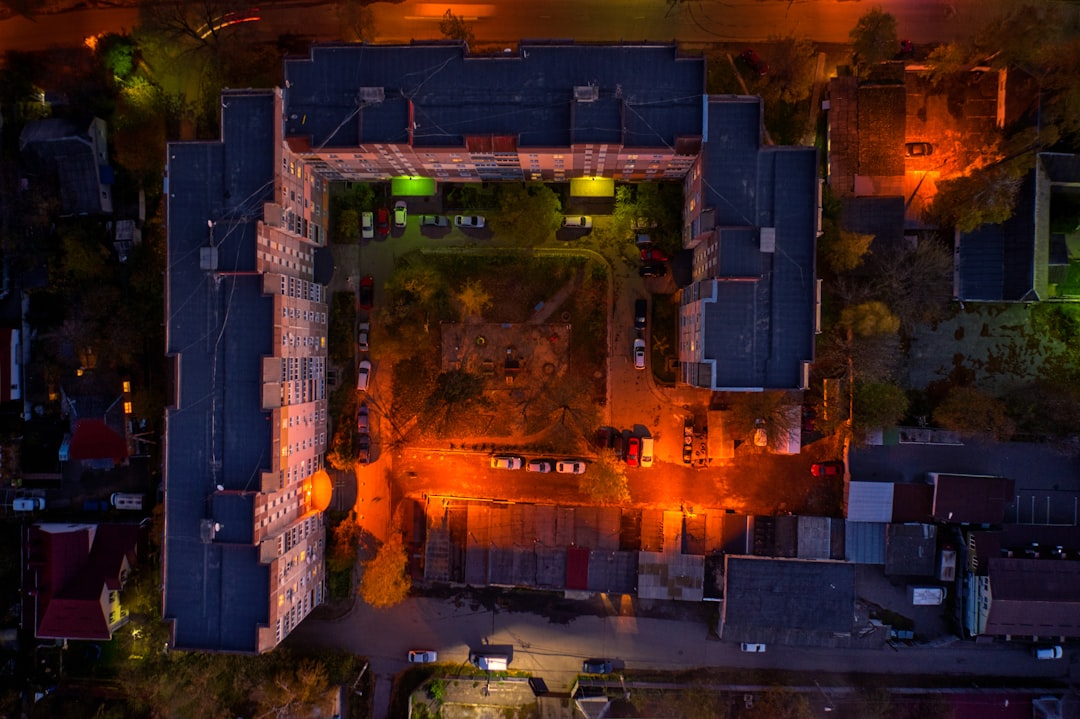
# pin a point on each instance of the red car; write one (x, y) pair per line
(754, 61)
(382, 221)
(633, 451)
(654, 254)
(835, 468)
(367, 292)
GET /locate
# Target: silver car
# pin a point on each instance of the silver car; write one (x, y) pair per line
(570, 466)
(468, 221)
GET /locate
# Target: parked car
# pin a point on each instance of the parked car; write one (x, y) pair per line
(641, 314)
(751, 647)
(639, 353)
(382, 221)
(468, 221)
(538, 465)
(363, 376)
(654, 254)
(363, 425)
(1052, 652)
(604, 436)
(918, 149)
(834, 468)
(367, 225)
(652, 270)
(570, 466)
(642, 240)
(434, 221)
(367, 292)
(363, 449)
(401, 213)
(423, 656)
(596, 666)
(633, 451)
(582, 221)
(362, 336)
(618, 445)
(754, 61)
(646, 451)
(502, 461)
(28, 504)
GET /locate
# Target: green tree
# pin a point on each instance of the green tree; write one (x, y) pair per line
(344, 544)
(779, 703)
(605, 481)
(348, 225)
(879, 404)
(971, 411)
(874, 37)
(986, 196)
(791, 68)
(455, 28)
(914, 282)
(473, 298)
(844, 251)
(528, 213)
(118, 54)
(385, 582)
(356, 20)
(868, 319)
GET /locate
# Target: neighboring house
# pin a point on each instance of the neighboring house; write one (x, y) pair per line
(1021, 259)
(788, 601)
(74, 156)
(971, 498)
(98, 407)
(72, 578)
(867, 125)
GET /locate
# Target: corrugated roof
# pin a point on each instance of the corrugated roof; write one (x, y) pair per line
(864, 542)
(870, 502)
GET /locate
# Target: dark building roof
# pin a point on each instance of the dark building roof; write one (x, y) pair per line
(219, 328)
(912, 502)
(67, 572)
(971, 498)
(61, 148)
(642, 95)
(1023, 540)
(882, 124)
(1034, 597)
(910, 550)
(882, 217)
(787, 601)
(997, 262)
(92, 439)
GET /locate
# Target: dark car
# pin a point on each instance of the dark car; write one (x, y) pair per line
(754, 61)
(918, 149)
(382, 221)
(641, 311)
(367, 292)
(363, 449)
(654, 254)
(652, 270)
(363, 425)
(596, 666)
(603, 437)
(834, 468)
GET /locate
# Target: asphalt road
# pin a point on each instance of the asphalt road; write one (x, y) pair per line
(708, 21)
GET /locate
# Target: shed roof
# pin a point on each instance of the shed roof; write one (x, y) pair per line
(1034, 597)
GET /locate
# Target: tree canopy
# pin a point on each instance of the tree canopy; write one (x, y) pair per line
(973, 412)
(874, 37)
(605, 480)
(385, 581)
(529, 214)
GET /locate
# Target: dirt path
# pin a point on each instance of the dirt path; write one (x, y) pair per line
(541, 315)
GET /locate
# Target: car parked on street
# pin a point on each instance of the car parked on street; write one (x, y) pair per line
(401, 213)
(423, 656)
(753, 61)
(633, 452)
(752, 647)
(506, 461)
(363, 376)
(652, 270)
(468, 221)
(434, 221)
(362, 331)
(363, 424)
(363, 449)
(382, 221)
(582, 221)
(365, 297)
(641, 314)
(834, 468)
(541, 466)
(367, 225)
(918, 149)
(639, 353)
(654, 254)
(570, 466)
(596, 666)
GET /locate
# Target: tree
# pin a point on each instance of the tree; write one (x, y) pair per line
(348, 225)
(344, 544)
(750, 411)
(455, 28)
(528, 213)
(914, 282)
(879, 404)
(385, 582)
(604, 480)
(986, 196)
(791, 68)
(357, 20)
(868, 319)
(844, 251)
(874, 37)
(473, 298)
(779, 703)
(970, 411)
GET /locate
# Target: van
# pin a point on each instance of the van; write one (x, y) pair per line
(1053, 652)
(926, 596)
(125, 500)
(490, 662)
(646, 451)
(28, 504)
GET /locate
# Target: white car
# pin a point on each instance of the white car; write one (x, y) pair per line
(570, 466)
(502, 461)
(752, 648)
(367, 225)
(362, 336)
(401, 212)
(538, 465)
(583, 221)
(363, 376)
(472, 221)
(423, 656)
(639, 353)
